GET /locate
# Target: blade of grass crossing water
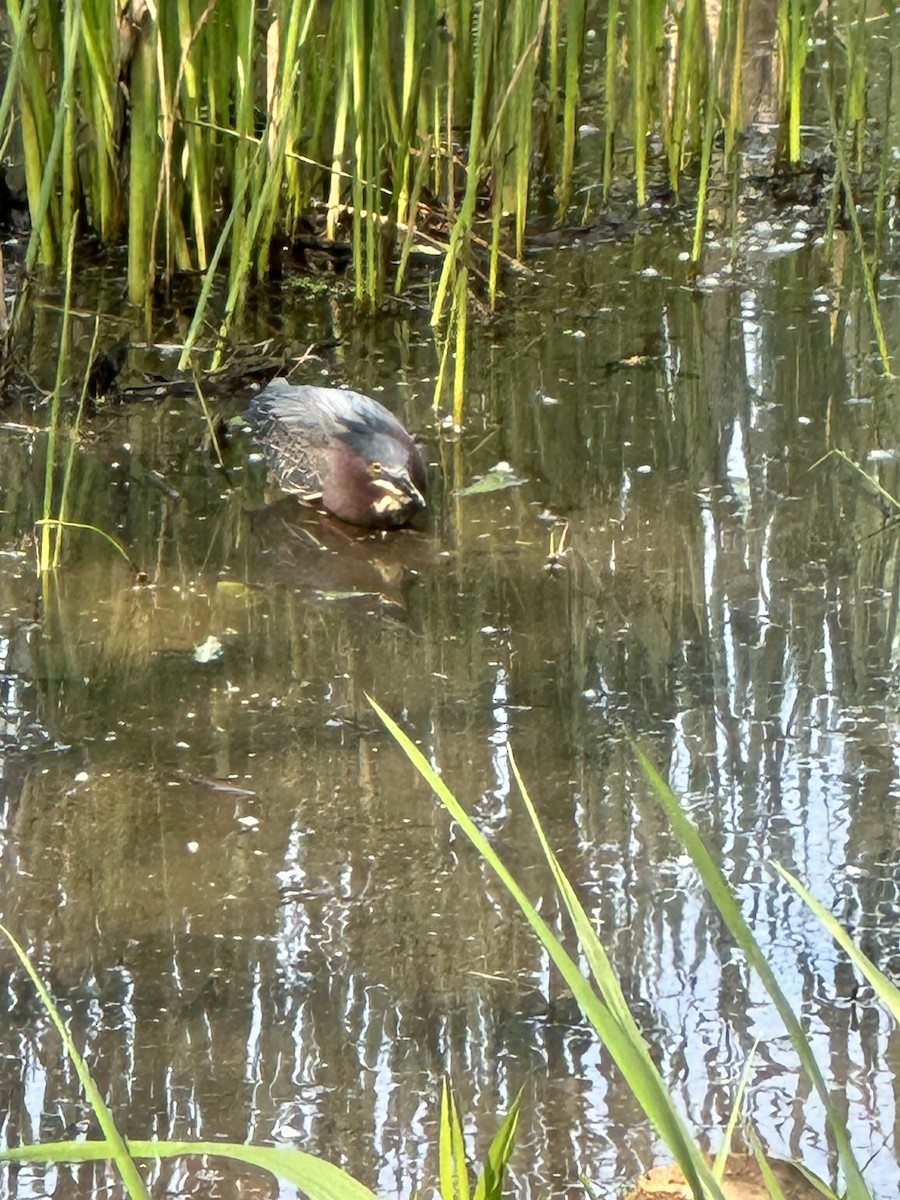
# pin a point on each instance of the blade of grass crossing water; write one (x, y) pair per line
(773, 1187)
(737, 1108)
(115, 1143)
(630, 1056)
(598, 960)
(888, 993)
(317, 1179)
(730, 911)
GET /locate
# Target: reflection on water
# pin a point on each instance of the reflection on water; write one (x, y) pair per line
(256, 919)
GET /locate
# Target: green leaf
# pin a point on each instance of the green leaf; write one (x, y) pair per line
(319, 1180)
(618, 1033)
(490, 1183)
(886, 991)
(729, 909)
(115, 1146)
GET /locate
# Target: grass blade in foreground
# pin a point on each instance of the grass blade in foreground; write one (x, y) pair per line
(620, 1038)
(721, 894)
(451, 1152)
(319, 1180)
(491, 1179)
(114, 1146)
(886, 991)
(452, 1166)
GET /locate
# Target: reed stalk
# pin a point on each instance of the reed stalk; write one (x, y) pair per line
(63, 512)
(734, 120)
(639, 99)
(144, 163)
(49, 545)
(709, 127)
(689, 70)
(366, 105)
(793, 30)
(612, 111)
(461, 309)
(575, 10)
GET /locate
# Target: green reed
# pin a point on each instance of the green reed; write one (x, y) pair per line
(592, 980)
(211, 131)
(316, 1178)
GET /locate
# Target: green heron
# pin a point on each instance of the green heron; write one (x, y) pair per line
(342, 451)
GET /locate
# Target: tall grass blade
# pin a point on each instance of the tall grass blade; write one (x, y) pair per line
(318, 1180)
(638, 58)
(48, 192)
(575, 10)
(21, 18)
(144, 163)
(114, 1145)
(628, 1050)
(492, 1177)
(49, 551)
(724, 900)
(710, 118)
(609, 92)
(886, 991)
(452, 1166)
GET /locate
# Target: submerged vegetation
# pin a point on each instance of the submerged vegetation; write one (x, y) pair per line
(210, 136)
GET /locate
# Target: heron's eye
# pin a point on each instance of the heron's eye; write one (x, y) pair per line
(375, 468)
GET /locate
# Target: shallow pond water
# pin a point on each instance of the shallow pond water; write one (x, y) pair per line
(257, 920)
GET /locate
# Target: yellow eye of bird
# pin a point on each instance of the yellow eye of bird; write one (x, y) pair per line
(375, 468)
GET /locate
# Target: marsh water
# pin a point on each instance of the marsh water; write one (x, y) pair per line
(257, 920)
